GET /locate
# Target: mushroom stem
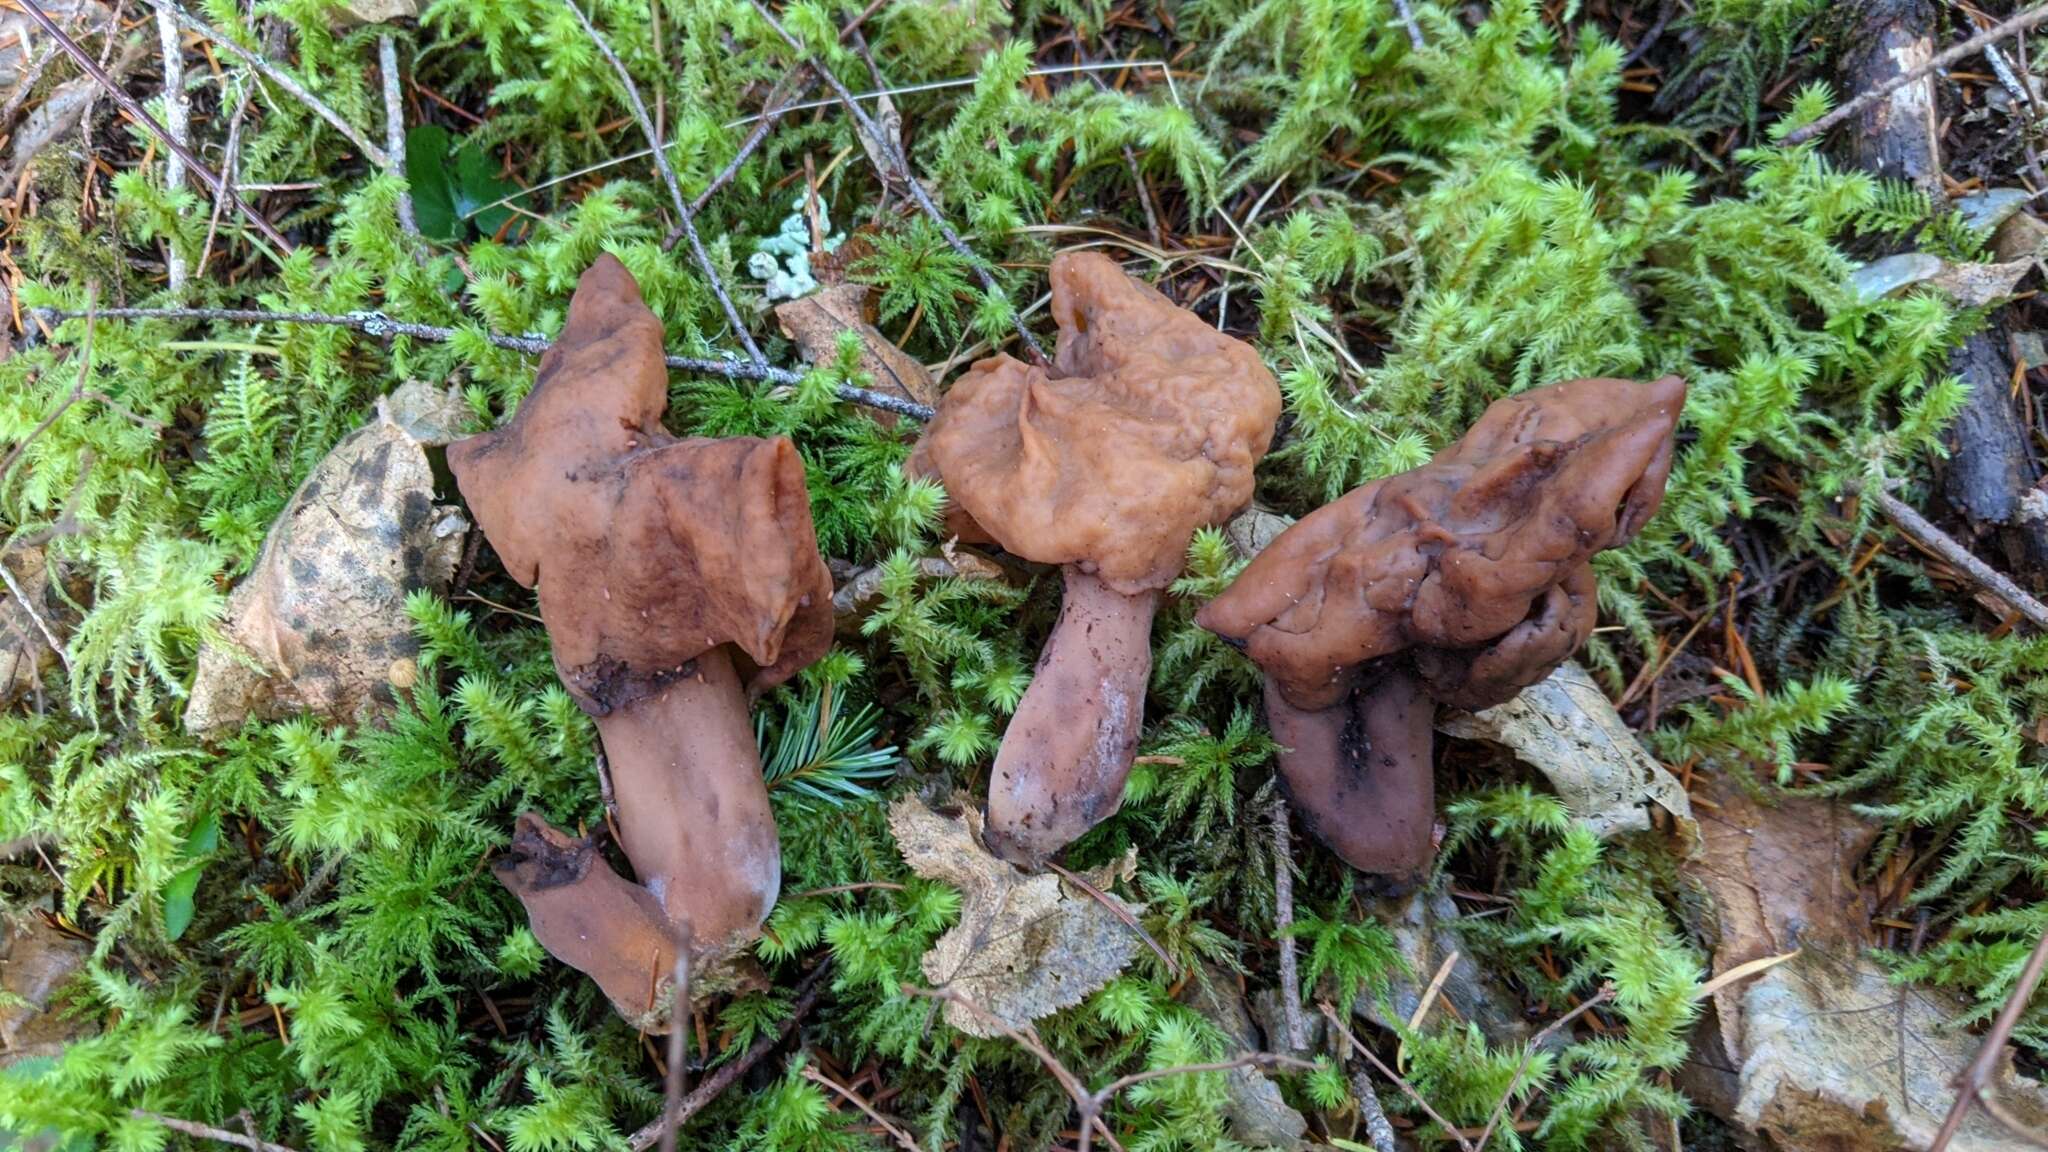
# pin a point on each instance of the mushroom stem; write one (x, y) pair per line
(1359, 772)
(694, 820)
(1067, 751)
(693, 811)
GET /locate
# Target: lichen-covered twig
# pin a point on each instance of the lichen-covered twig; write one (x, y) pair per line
(141, 116)
(675, 188)
(178, 120)
(379, 325)
(1407, 15)
(394, 129)
(2029, 19)
(1283, 923)
(1393, 1077)
(892, 150)
(277, 76)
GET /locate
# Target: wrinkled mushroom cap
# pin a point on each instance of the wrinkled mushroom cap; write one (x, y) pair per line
(648, 551)
(1477, 559)
(1145, 429)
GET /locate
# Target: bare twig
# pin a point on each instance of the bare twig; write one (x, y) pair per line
(1393, 1077)
(772, 112)
(675, 189)
(807, 992)
(29, 78)
(678, 1078)
(892, 150)
(202, 1131)
(1651, 37)
(178, 121)
(279, 77)
(1283, 920)
(1500, 1106)
(2031, 18)
(379, 325)
(231, 155)
(1116, 908)
(903, 1139)
(1924, 533)
(394, 129)
(141, 116)
(1973, 1080)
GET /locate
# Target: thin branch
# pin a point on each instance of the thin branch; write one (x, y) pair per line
(231, 155)
(1407, 15)
(178, 121)
(903, 1139)
(892, 150)
(807, 992)
(394, 129)
(202, 1131)
(1379, 1131)
(279, 77)
(1283, 919)
(675, 189)
(1972, 1081)
(1925, 534)
(1393, 1077)
(2025, 21)
(141, 116)
(678, 1078)
(379, 325)
(1500, 1106)
(42, 625)
(772, 112)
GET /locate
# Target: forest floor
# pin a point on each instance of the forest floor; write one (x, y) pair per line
(1765, 867)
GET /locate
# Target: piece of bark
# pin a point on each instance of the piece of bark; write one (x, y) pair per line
(1897, 137)
(1259, 1115)
(1990, 467)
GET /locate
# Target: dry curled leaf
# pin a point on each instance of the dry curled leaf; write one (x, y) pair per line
(25, 654)
(1028, 944)
(815, 322)
(1823, 1051)
(319, 625)
(1565, 728)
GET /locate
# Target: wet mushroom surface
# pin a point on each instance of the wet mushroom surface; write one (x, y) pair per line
(676, 578)
(1145, 428)
(1460, 582)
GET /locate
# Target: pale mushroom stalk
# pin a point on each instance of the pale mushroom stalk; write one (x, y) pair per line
(1069, 747)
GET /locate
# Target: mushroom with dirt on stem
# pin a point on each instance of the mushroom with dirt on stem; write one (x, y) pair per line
(1145, 428)
(1460, 582)
(675, 578)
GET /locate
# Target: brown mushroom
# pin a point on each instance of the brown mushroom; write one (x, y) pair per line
(1462, 581)
(675, 577)
(1145, 428)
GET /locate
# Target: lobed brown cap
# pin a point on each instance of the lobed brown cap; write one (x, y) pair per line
(648, 551)
(1145, 429)
(1477, 559)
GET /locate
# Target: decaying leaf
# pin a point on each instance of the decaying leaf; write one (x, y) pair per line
(1823, 1051)
(854, 591)
(1259, 1115)
(815, 322)
(1426, 930)
(1969, 284)
(319, 625)
(35, 961)
(1565, 728)
(1027, 944)
(25, 654)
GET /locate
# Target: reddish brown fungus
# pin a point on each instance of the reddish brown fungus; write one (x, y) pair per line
(1462, 581)
(1146, 427)
(675, 578)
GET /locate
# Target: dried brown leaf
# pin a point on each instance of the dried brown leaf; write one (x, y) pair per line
(815, 322)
